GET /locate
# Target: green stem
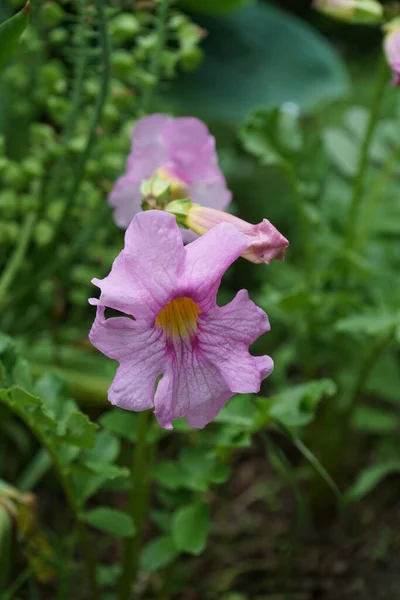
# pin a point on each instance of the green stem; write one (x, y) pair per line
(372, 203)
(51, 191)
(155, 65)
(358, 187)
(98, 110)
(137, 505)
(18, 256)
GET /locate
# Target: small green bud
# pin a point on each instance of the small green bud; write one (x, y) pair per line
(32, 167)
(180, 208)
(124, 27)
(8, 204)
(52, 14)
(190, 60)
(123, 63)
(58, 36)
(43, 233)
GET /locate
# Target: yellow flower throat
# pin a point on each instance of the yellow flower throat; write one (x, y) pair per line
(179, 318)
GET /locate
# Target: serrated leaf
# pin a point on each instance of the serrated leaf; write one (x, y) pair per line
(369, 478)
(110, 520)
(158, 553)
(190, 528)
(10, 33)
(80, 431)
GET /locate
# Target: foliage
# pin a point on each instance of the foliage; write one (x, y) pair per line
(70, 91)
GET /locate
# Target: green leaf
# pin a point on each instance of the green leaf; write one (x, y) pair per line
(196, 468)
(373, 323)
(158, 553)
(239, 411)
(375, 421)
(213, 6)
(343, 150)
(10, 32)
(80, 431)
(369, 478)
(121, 422)
(190, 528)
(272, 135)
(267, 57)
(295, 407)
(170, 475)
(110, 520)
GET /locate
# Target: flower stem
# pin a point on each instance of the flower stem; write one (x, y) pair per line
(359, 181)
(137, 504)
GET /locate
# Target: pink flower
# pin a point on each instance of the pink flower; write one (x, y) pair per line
(392, 49)
(177, 331)
(181, 150)
(264, 241)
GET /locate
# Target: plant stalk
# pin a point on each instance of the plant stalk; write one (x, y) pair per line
(137, 505)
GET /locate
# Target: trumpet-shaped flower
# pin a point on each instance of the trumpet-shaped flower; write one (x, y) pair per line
(178, 332)
(265, 242)
(181, 151)
(392, 48)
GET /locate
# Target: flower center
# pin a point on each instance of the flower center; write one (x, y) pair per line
(179, 318)
(178, 188)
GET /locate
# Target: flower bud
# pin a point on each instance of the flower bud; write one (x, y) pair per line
(392, 48)
(162, 188)
(265, 241)
(366, 12)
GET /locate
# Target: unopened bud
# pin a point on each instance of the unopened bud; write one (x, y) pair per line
(366, 12)
(392, 48)
(265, 241)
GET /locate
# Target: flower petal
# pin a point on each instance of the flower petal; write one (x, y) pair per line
(145, 274)
(126, 197)
(191, 387)
(207, 259)
(141, 353)
(241, 320)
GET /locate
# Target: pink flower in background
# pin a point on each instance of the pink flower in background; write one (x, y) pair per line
(265, 241)
(180, 150)
(392, 49)
(178, 331)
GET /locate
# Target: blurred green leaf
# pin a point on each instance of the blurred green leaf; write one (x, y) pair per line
(190, 528)
(376, 421)
(121, 422)
(343, 150)
(214, 6)
(110, 520)
(374, 323)
(295, 407)
(10, 32)
(369, 478)
(273, 135)
(158, 553)
(80, 431)
(258, 56)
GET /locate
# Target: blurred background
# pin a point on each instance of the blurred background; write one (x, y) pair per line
(301, 482)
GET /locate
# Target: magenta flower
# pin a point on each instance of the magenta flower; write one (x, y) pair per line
(177, 331)
(181, 150)
(392, 49)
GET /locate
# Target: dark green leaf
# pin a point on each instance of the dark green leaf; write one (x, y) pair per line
(158, 553)
(80, 431)
(370, 478)
(110, 521)
(258, 56)
(10, 32)
(190, 528)
(376, 421)
(213, 6)
(121, 422)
